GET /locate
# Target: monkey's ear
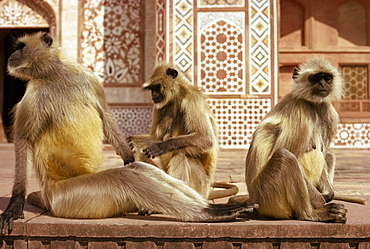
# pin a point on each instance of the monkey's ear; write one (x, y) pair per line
(295, 73)
(172, 72)
(47, 39)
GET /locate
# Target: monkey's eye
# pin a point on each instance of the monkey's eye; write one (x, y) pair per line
(314, 78)
(328, 78)
(155, 87)
(20, 46)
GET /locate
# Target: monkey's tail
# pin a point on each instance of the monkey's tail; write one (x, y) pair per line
(171, 196)
(227, 190)
(136, 186)
(239, 199)
(359, 200)
(352, 199)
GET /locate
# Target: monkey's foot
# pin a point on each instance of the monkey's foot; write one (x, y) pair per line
(145, 212)
(222, 212)
(332, 212)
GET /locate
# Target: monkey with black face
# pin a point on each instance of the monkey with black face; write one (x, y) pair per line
(290, 166)
(58, 130)
(183, 133)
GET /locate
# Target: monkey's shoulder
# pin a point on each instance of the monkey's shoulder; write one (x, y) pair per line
(301, 110)
(194, 100)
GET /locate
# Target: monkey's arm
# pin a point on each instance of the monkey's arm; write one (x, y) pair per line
(153, 147)
(327, 177)
(110, 128)
(15, 207)
(200, 130)
(114, 136)
(193, 144)
(263, 146)
(140, 142)
(27, 129)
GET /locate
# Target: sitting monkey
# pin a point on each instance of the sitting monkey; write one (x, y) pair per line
(59, 127)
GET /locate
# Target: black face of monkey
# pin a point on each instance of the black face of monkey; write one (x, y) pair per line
(16, 58)
(157, 95)
(321, 83)
(156, 88)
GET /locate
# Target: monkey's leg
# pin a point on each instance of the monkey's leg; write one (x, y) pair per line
(282, 192)
(325, 186)
(191, 171)
(139, 185)
(35, 199)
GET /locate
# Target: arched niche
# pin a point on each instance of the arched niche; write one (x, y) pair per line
(352, 24)
(16, 19)
(44, 9)
(221, 57)
(291, 24)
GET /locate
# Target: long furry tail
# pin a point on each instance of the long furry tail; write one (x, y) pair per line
(226, 190)
(352, 199)
(138, 186)
(171, 196)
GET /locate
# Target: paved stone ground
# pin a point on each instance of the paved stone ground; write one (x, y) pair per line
(41, 230)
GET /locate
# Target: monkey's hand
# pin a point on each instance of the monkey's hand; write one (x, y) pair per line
(128, 158)
(13, 212)
(140, 143)
(156, 149)
(137, 143)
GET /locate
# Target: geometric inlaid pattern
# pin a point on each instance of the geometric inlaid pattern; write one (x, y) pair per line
(133, 121)
(220, 3)
(355, 87)
(92, 36)
(122, 43)
(15, 14)
(237, 119)
(353, 135)
(355, 82)
(110, 43)
(183, 35)
(160, 33)
(259, 47)
(222, 47)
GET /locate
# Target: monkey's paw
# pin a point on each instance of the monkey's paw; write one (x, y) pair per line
(145, 212)
(136, 144)
(154, 150)
(7, 219)
(131, 142)
(139, 143)
(332, 212)
(128, 158)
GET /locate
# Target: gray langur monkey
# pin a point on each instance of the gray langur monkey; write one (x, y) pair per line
(183, 133)
(289, 165)
(59, 127)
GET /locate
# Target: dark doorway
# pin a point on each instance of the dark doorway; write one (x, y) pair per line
(11, 89)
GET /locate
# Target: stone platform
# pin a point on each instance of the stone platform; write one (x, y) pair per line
(41, 230)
